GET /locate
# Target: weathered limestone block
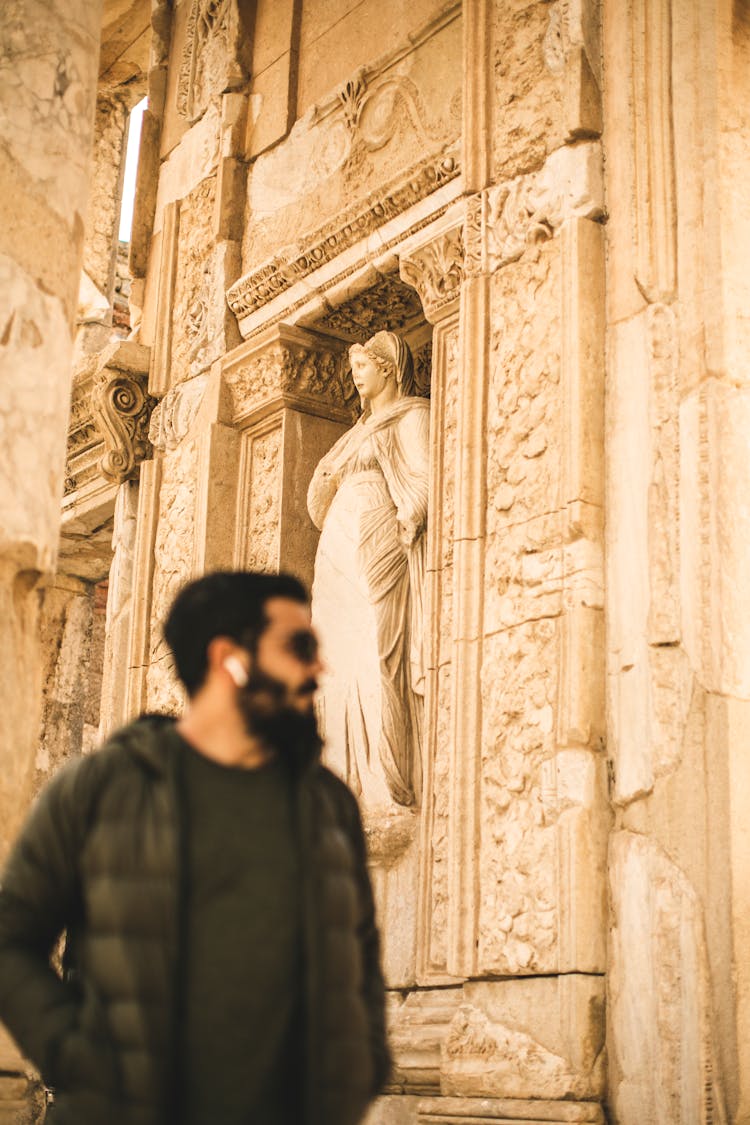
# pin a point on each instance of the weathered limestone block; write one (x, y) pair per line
(173, 565)
(661, 1039)
(67, 618)
(110, 132)
(417, 1026)
(33, 335)
(540, 1038)
(546, 82)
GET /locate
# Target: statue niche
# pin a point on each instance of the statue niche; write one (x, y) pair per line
(368, 496)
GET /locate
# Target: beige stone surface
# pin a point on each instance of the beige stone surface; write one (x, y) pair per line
(539, 1038)
(391, 120)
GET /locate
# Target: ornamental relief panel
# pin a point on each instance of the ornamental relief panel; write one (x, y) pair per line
(195, 289)
(216, 54)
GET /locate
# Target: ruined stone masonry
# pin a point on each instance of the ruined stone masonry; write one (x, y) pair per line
(548, 201)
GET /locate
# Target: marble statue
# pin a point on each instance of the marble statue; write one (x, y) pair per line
(368, 496)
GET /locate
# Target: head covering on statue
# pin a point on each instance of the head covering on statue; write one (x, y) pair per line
(368, 496)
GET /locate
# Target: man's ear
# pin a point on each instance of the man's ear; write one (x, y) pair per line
(223, 656)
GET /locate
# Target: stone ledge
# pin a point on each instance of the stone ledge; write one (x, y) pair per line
(505, 1111)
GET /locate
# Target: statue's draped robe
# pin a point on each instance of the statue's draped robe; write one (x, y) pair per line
(369, 497)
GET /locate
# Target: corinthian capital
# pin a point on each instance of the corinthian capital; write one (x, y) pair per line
(436, 269)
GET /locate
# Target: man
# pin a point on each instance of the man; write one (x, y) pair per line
(221, 962)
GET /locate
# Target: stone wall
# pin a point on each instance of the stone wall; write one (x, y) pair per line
(676, 586)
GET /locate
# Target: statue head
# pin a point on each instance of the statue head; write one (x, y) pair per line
(393, 356)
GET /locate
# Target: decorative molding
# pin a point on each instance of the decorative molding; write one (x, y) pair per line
(293, 363)
(664, 500)
(274, 277)
(167, 279)
(121, 407)
(436, 272)
(505, 1111)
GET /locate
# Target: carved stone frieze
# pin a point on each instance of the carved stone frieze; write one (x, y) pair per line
(215, 56)
(121, 406)
(290, 364)
(436, 271)
(281, 272)
(388, 304)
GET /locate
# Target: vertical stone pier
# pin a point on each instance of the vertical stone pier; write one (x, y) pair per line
(49, 56)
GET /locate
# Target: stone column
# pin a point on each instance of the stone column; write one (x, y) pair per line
(48, 75)
(47, 97)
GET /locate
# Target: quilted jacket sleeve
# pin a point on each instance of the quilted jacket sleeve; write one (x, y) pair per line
(39, 898)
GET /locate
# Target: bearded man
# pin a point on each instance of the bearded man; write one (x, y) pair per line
(221, 962)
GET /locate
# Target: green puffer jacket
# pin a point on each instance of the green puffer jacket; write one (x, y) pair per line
(101, 857)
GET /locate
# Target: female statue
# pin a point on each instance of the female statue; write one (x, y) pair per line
(369, 498)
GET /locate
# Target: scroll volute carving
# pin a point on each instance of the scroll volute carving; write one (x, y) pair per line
(121, 408)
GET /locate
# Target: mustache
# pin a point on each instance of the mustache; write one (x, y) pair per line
(308, 687)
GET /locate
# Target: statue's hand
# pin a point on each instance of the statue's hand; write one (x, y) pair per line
(409, 531)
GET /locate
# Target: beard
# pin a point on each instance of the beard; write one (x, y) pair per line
(271, 718)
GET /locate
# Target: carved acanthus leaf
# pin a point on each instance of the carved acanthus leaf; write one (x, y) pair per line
(121, 407)
(388, 304)
(436, 271)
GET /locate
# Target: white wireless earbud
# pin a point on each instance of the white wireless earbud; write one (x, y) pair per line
(234, 667)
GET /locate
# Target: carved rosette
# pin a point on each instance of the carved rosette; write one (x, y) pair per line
(121, 408)
(436, 271)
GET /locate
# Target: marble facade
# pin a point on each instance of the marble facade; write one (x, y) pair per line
(548, 200)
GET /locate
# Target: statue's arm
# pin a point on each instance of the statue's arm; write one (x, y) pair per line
(327, 478)
(410, 474)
